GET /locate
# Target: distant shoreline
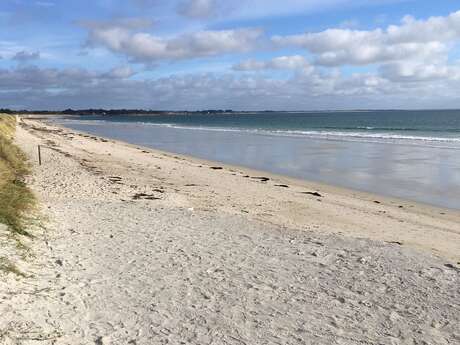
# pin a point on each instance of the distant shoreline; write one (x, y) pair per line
(386, 207)
(140, 112)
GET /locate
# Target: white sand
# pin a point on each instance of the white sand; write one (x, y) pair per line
(220, 258)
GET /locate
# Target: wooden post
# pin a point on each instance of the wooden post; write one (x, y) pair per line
(39, 156)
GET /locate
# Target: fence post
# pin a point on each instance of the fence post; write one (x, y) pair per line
(39, 155)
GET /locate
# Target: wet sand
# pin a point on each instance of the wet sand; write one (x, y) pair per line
(426, 172)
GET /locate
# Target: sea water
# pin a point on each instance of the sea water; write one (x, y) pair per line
(413, 155)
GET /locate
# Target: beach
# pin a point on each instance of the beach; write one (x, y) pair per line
(141, 246)
(403, 155)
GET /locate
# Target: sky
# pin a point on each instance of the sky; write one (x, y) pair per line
(221, 54)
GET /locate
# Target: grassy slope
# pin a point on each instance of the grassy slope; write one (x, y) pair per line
(15, 198)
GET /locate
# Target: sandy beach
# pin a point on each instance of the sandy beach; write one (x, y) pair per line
(138, 246)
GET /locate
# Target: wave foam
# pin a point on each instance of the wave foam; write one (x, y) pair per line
(356, 134)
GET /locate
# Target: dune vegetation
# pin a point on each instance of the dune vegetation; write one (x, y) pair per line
(15, 197)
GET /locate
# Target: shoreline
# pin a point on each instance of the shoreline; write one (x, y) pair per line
(389, 169)
(400, 210)
(141, 247)
(328, 136)
(362, 194)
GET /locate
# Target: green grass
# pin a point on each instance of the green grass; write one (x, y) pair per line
(16, 199)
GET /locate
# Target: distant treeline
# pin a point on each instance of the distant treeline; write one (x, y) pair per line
(111, 112)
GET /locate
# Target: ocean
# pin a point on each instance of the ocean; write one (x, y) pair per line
(413, 155)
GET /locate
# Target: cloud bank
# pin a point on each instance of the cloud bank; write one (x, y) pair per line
(414, 38)
(140, 61)
(123, 38)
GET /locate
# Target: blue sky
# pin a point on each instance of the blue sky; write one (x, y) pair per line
(259, 54)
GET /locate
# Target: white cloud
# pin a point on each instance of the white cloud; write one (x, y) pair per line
(145, 47)
(410, 71)
(293, 62)
(34, 87)
(413, 39)
(34, 78)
